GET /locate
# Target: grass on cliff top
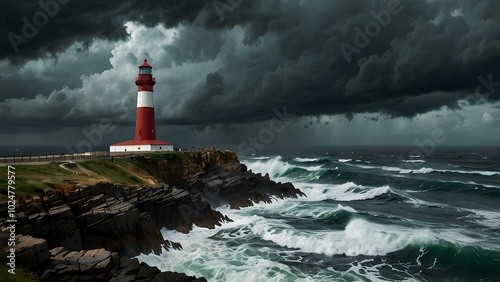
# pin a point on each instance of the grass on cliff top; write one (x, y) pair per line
(170, 155)
(36, 179)
(21, 275)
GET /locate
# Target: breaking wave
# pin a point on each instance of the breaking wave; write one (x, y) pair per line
(348, 191)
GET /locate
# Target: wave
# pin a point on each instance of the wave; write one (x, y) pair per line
(486, 218)
(261, 158)
(277, 168)
(292, 208)
(464, 261)
(360, 237)
(348, 191)
(345, 160)
(216, 261)
(306, 160)
(474, 183)
(425, 170)
(414, 161)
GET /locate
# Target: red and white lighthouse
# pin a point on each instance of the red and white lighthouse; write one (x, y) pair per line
(145, 130)
(145, 117)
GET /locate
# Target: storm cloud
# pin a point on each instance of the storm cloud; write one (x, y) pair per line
(232, 62)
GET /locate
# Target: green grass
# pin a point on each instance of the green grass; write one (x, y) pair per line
(169, 155)
(111, 171)
(36, 179)
(21, 274)
(32, 179)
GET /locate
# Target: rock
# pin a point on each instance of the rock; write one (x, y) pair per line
(90, 227)
(84, 265)
(62, 211)
(31, 252)
(131, 270)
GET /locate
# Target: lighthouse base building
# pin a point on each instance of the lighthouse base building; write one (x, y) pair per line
(145, 130)
(141, 146)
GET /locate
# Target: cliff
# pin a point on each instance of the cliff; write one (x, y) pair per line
(218, 177)
(90, 231)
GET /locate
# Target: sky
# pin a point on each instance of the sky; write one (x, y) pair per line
(252, 73)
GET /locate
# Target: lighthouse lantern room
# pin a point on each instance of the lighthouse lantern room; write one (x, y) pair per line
(145, 130)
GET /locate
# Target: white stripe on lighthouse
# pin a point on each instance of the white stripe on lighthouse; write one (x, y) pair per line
(145, 99)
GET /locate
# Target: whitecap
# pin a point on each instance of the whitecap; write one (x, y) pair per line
(425, 170)
(261, 158)
(487, 218)
(348, 191)
(360, 237)
(306, 160)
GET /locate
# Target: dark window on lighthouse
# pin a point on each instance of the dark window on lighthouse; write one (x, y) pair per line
(145, 71)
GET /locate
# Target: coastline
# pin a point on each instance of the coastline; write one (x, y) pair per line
(91, 231)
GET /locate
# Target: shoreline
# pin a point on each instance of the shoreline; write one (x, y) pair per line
(62, 233)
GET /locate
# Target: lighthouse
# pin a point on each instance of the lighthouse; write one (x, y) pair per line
(145, 129)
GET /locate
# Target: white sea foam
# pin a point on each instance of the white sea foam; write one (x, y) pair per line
(414, 161)
(274, 166)
(345, 160)
(421, 203)
(486, 218)
(415, 201)
(277, 168)
(360, 237)
(203, 256)
(474, 183)
(306, 160)
(261, 158)
(348, 191)
(425, 170)
(297, 209)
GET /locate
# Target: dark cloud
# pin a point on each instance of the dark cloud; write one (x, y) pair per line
(245, 59)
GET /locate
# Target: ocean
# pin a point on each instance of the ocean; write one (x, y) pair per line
(371, 214)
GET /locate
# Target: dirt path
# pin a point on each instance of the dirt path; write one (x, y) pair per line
(77, 166)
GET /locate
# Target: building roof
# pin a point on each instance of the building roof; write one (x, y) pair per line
(145, 64)
(142, 142)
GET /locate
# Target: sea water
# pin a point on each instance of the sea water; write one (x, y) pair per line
(371, 214)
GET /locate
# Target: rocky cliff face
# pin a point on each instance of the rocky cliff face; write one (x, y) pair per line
(85, 232)
(219, 178)
(89, 232)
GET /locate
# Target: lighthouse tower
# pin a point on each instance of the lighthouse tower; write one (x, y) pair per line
(145, 130)
(145, 117)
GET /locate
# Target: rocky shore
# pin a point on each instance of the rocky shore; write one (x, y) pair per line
(92, 232)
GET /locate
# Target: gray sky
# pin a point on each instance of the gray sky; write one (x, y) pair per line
(293, 72)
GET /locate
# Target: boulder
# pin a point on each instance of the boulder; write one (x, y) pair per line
(31, 252)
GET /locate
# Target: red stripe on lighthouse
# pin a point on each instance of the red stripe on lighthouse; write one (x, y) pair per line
(145, 124)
